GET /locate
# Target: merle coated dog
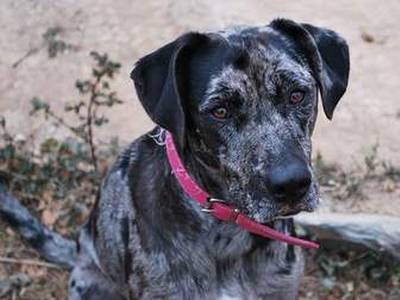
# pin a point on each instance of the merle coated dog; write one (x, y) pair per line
(241, 105)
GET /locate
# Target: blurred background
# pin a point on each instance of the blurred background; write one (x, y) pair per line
(45, 49)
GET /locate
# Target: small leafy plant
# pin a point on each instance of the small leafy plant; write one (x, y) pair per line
(98, 94)
(67, 168)
(54, 43)
(351, 183)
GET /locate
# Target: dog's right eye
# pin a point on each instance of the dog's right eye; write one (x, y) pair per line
(220, 113)
(296, 96)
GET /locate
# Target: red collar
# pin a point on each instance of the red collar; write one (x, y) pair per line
(218, 208)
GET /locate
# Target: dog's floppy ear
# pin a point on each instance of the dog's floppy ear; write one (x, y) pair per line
(326, 53)
(158, 80)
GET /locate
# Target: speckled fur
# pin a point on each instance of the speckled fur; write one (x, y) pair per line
(145, 239)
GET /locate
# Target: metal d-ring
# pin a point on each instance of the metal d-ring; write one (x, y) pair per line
(207, 210)
(209, 202)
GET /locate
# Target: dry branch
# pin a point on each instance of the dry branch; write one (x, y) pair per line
(51, 246)
(376, 232)
(9, 260)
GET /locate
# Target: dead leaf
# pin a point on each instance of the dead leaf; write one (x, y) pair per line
(367, 37)
(49, 217)
(34, 271)
(10, 232)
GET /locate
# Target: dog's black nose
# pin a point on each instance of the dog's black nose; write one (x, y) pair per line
(290, 182)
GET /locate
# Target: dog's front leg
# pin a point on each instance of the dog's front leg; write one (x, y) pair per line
(87, 283)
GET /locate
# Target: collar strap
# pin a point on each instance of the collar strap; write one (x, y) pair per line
(218, 208)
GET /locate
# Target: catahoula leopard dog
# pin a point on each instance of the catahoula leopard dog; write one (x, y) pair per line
(240, 105)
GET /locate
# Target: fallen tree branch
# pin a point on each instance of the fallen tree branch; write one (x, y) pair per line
(376, 232)
(9, 260)
(53, 247)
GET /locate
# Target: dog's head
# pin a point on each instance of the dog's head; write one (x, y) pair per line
(244, 102)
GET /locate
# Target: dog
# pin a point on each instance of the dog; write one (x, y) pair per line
(241, 106)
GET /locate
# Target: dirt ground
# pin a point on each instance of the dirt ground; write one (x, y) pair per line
(369, 113)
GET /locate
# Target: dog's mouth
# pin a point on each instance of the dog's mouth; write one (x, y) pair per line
(309, 203)
(270, 214)
(292, 212)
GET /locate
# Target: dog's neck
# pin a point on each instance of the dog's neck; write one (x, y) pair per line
(204, 169)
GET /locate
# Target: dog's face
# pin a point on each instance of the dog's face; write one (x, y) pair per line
(244, 102)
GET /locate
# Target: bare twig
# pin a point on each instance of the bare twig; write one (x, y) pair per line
(9, 260)
(89, 118)
(62, 122)
(26, 55)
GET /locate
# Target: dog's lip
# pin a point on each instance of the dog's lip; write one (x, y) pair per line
(271, 221)
(287, 215)
(283, 217)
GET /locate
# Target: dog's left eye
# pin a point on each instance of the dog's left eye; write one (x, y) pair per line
(296, 97)
(220, 113)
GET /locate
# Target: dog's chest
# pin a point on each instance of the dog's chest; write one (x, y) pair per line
(227, 295)
(222, 272)
(267, 271)
(269, 285)
(261, 275)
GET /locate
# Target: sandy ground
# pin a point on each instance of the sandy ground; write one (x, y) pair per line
(126, 29)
